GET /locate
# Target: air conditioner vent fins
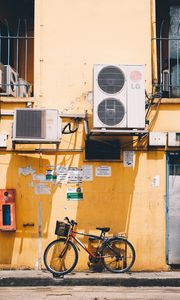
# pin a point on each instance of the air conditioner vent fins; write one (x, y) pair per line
(111, 80)
(36, 126)
(30, 124)
(111, 111)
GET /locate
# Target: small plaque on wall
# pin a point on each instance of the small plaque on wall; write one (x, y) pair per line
(128, 159)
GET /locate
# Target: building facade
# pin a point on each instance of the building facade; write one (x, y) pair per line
(123, 176)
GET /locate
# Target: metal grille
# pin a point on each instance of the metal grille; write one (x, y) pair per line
(15, 56)
(29, 124)
(111, 111)
(167, 44)
(111, 79)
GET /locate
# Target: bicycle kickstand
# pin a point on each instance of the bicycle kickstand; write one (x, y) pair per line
(58, 276)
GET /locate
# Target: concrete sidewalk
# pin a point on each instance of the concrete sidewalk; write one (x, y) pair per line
(44, 278)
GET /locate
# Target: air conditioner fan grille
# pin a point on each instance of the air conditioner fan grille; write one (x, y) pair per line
(29, 124)
(111, 80)
(111, 111)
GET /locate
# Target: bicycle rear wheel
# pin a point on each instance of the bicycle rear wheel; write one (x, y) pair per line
(119, 255)
(60, 257)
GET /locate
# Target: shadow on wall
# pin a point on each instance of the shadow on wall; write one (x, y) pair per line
(20, 248)
(107, 201)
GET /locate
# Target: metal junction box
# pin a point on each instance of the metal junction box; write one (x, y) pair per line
(3, 140)
(157, 138)
(174, 139)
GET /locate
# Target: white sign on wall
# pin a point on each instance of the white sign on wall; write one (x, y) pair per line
(62, 174)
(128, 159)
(103, 171)
(87, 173)
(75, 175)
(42, 189)
(155, 181)
(26, 171)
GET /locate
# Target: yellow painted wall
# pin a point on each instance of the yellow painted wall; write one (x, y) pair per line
(71, 36)
(75, 35)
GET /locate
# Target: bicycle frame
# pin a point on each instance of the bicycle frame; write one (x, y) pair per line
(101, 238)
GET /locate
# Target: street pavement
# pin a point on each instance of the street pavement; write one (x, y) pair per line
(90, 293)
(132, 279)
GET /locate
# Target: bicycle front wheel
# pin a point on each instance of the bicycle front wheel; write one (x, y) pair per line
(118, 255)
(60, 257)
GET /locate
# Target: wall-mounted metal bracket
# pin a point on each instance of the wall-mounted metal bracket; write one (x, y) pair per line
(117, 132)
(83, 117)
(72, 116)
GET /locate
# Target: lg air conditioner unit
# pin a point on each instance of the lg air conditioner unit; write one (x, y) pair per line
(36, 126)
(10, 81)
(23, 89)
(119, 96)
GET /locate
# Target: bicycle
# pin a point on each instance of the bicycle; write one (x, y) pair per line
(117, 254)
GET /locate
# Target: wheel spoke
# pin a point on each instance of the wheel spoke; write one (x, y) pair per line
(119, 255)
(57, 263)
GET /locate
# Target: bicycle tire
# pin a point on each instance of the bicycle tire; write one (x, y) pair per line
(60, 265)
(119, 255)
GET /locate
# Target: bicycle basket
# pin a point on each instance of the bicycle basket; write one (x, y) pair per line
(62, 228)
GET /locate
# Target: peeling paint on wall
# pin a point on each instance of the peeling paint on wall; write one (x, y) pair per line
(87, 173)
(26, 171)
(42, 189)
(41, 177)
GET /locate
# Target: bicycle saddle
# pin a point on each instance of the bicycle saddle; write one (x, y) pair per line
(103, 229)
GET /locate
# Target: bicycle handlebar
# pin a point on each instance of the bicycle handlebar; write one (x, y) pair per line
(67, 219)
(72, 222)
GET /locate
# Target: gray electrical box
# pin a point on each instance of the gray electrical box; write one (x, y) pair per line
(3, 140)
(157, 138)
(174, 139)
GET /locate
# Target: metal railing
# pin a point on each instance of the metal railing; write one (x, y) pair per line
(14, 62)
(167, 45)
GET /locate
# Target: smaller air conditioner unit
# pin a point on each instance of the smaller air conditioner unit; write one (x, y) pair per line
(23, 89)
(39, 126)
(10, 81)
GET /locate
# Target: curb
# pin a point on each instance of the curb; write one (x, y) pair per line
(127, 282)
